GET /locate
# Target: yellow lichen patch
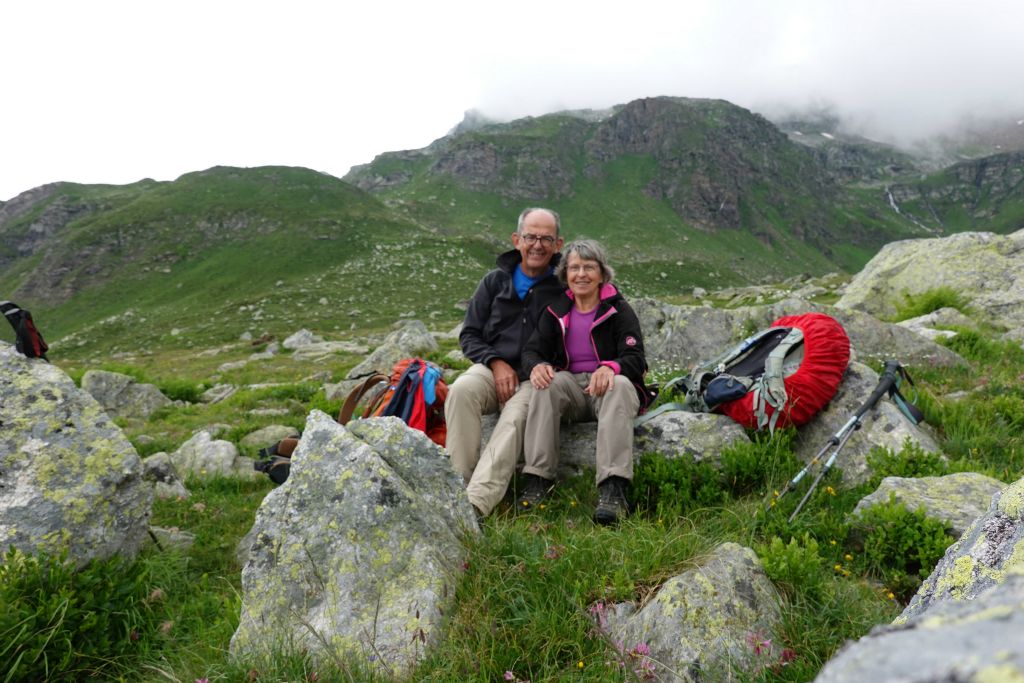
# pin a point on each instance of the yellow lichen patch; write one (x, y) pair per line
(958, 578)
(1011, 503)
(999, 673)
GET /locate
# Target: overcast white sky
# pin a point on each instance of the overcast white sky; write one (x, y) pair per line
(113, 92)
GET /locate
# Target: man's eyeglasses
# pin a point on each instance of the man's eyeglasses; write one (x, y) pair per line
(546, 240)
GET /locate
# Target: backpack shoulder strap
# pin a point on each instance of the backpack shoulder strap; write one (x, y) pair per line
(357, 393)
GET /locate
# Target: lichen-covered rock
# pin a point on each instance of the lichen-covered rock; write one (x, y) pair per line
(204, 456)
(990, 549)
(986, 268)
(69, 478)
(680, 337)
(160, 471)
(979, 641)
(358, 551)
(928, 324)
(955, 499)
(702, 624)
(884, 426)
(121, 396)
(410, 339)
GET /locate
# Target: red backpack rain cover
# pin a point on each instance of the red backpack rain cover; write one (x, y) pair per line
(812, 386)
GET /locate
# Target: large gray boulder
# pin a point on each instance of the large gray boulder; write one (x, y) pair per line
(121, 396)
(704, 624)
(954, 499)
(676, 338)
(990, 550)
(358, 552)
(986, 268)
(69, 478)
(672, 434)
(882, 427)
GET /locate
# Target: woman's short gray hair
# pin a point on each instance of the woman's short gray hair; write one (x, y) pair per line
(586, 250)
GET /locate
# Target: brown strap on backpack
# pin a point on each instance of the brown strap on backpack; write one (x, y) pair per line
(357, 393)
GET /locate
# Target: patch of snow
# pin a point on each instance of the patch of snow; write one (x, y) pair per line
(829, 136)
(796, 132)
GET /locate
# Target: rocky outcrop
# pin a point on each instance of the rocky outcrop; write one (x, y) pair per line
(359, 550)
(121, 396)
(268, 435)
(69, 478)
(679, 337)
(705, 624)
(954, 499)
(161, 473)
(985, 268)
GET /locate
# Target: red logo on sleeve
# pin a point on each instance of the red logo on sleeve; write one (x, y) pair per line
(630, 340)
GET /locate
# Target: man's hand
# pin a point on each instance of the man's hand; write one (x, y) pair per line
(505, 379)
(541, 376)
(602, 380)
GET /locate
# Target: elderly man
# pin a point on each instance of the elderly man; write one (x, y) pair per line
(502, 315)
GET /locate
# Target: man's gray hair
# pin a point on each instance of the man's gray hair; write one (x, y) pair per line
(527, 212)
(586, 250)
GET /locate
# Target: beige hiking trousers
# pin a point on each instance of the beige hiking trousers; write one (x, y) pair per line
(488, 471)
(564, 400)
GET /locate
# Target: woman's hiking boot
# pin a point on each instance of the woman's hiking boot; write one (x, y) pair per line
(611, 500)
(535, 489)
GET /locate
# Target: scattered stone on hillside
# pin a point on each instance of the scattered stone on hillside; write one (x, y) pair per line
(160, 471)
(977, 640)
(203, 456)
(217, 393)
(927, 325)
(455, 356)
(410, 339)
(319, 351)
(705, 624)
(269, 412)
(699, 292)
(215, 429)
(232, 365)
(955, 499)
(883, 427)
(173, 539)
(268, 435)
(121, 396)
(301, 338)
(69, 478)
(268, 352)
(985, 268)
(680, 337)
(367, 569)
(991, 549)
(245, 336)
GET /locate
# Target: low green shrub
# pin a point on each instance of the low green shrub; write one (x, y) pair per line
(930, 301)
(179, 389)
(669, 487)
(911, 461)
(898, 545)
(796, 567)
(57, 622)
(758, 465)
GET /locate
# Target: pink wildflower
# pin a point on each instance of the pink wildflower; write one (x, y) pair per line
(509, 676)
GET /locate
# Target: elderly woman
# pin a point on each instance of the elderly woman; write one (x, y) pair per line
(586, 362)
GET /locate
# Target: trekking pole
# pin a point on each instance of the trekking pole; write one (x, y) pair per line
(890, 376)
(833, 440)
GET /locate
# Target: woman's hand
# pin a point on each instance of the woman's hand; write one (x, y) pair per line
(601, 380)
(541, 376)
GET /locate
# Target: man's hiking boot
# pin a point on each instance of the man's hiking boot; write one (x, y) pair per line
(611, 500)
(535, 490)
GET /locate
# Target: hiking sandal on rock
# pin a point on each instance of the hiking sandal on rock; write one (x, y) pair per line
(611, 500)
(535, 490)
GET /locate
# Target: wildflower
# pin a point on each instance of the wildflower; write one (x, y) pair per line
(832, 541)
(156, 595)
(166, 626)
(579, 664)
(199, 507)
(542, 506)
(891, 595)
(202, 680)
(134, 636)
(509, 676)
(572, 503)
(788, 656)
(830, 491)
(554, 552)
(847, 557)
(838, 567)
(758, 645)
(642, 649)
